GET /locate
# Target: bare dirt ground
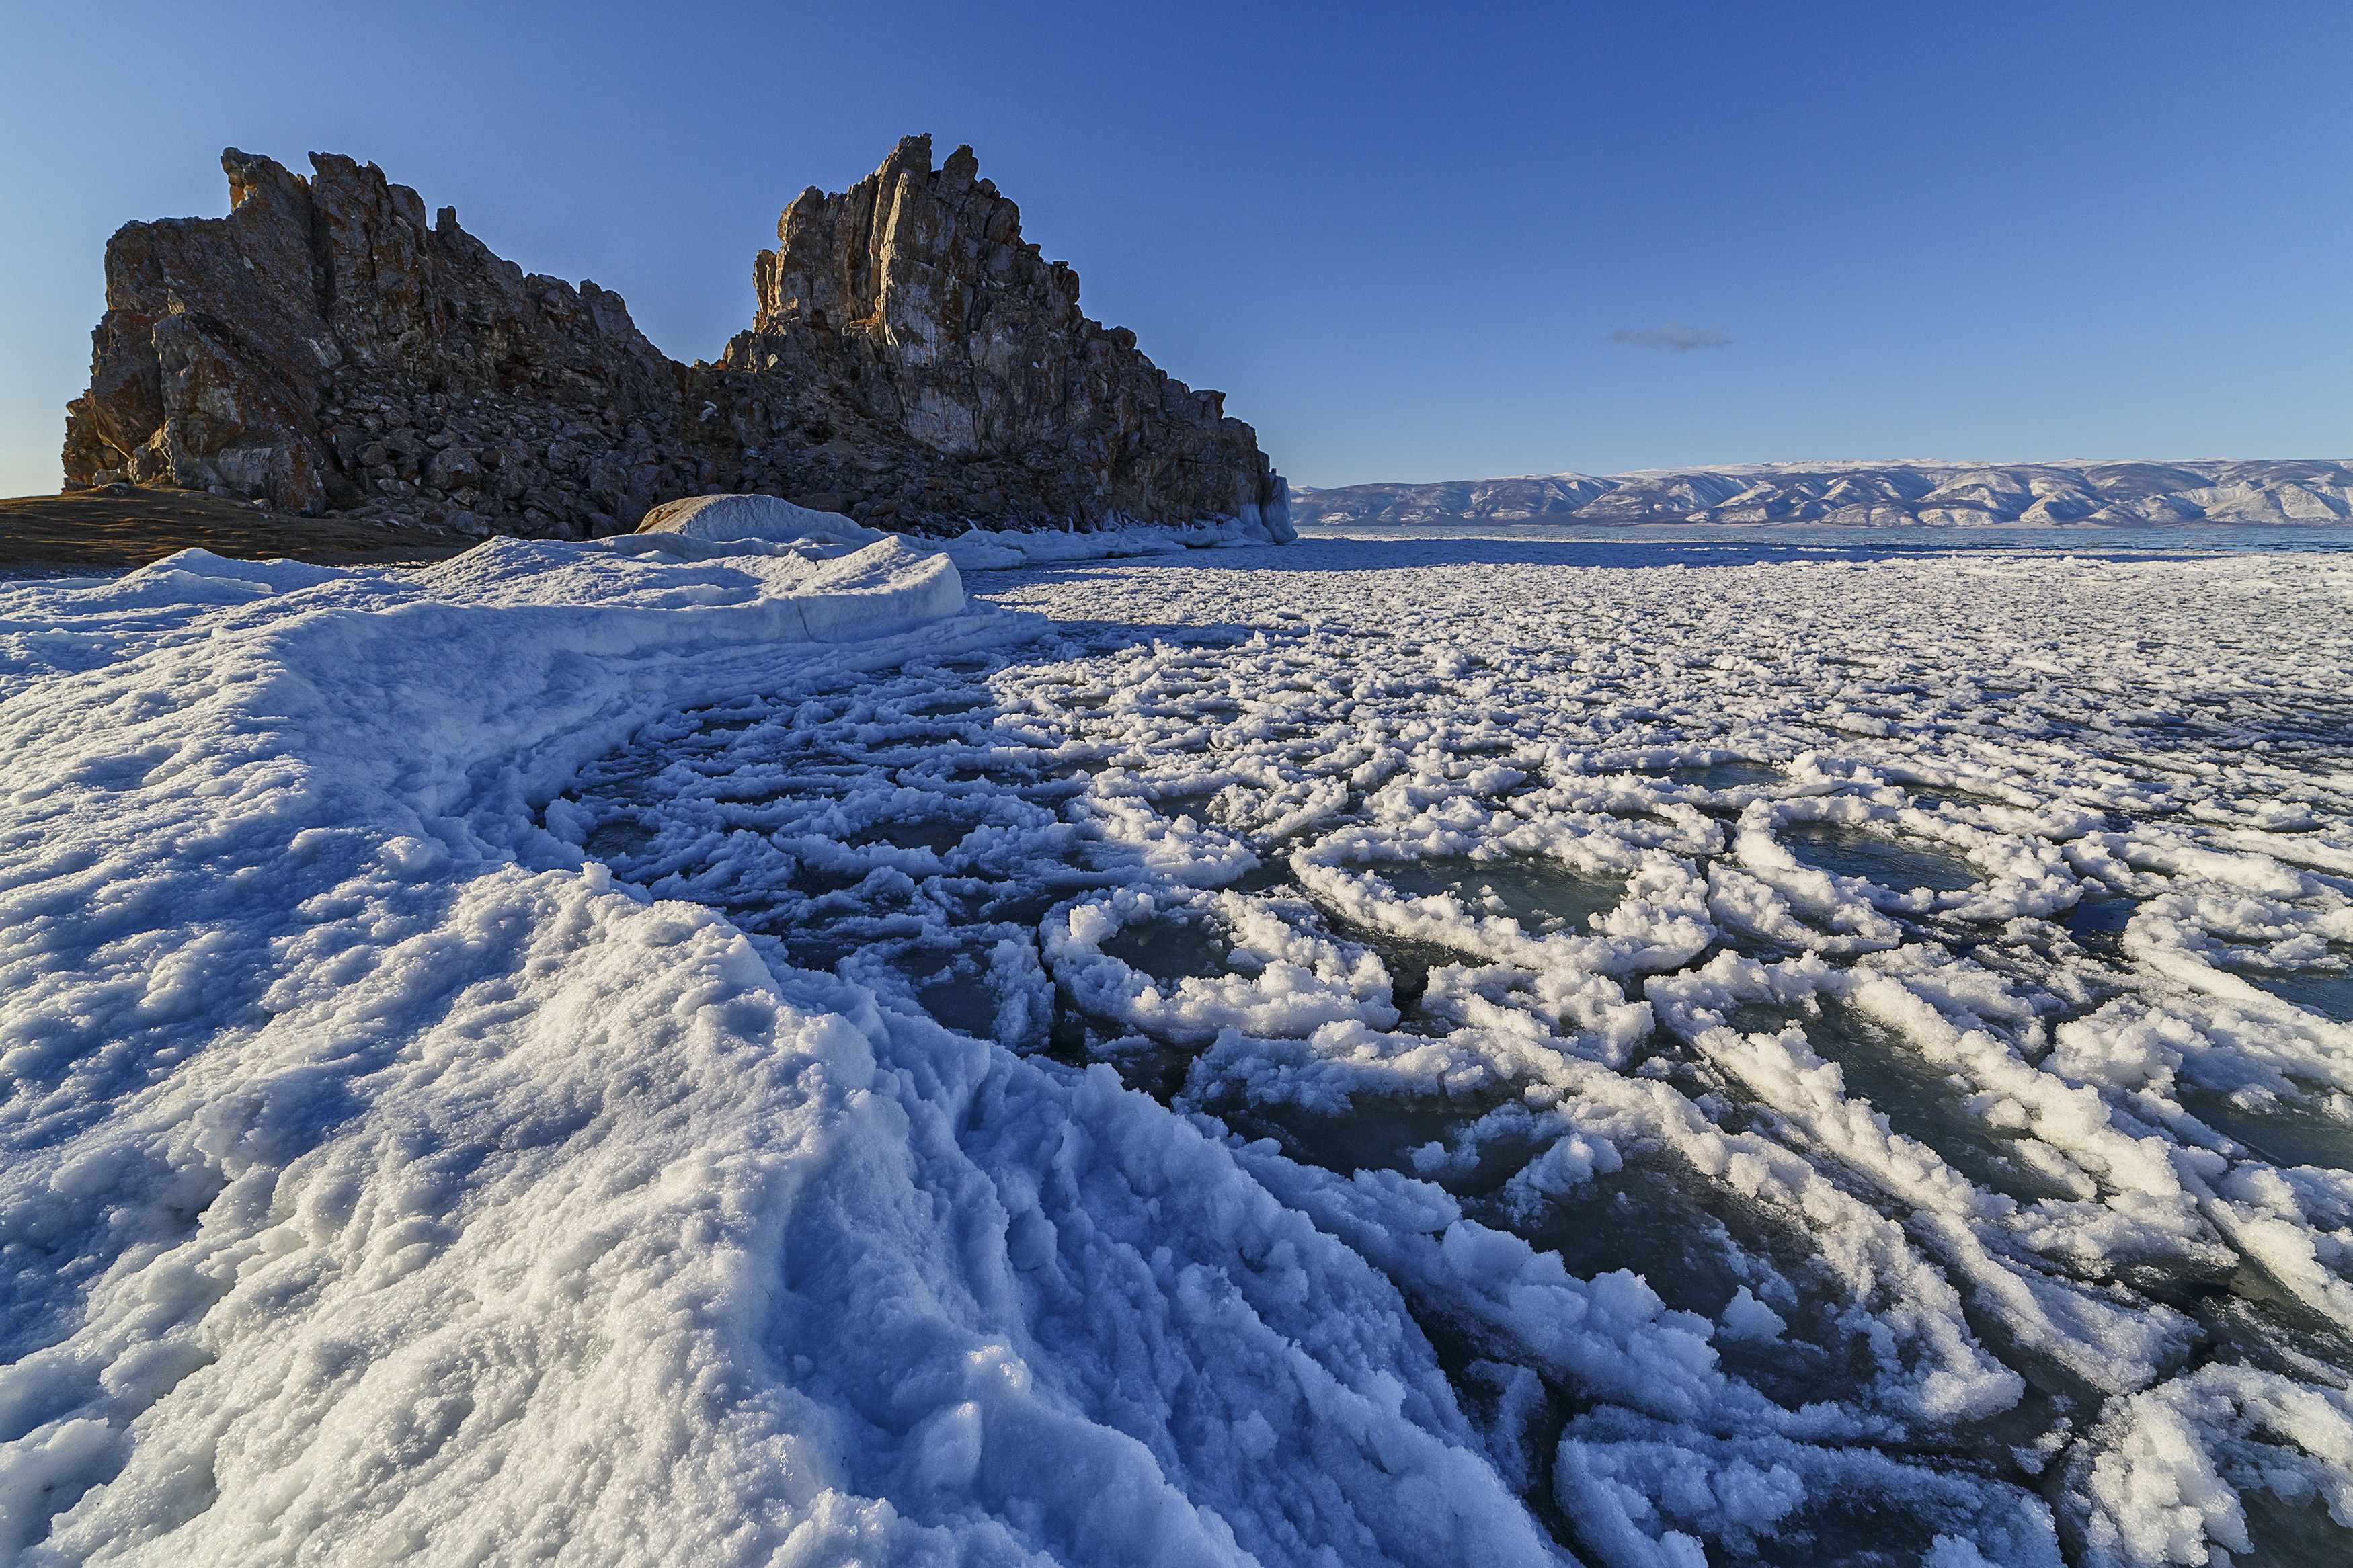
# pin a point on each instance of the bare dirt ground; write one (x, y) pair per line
(132, 525)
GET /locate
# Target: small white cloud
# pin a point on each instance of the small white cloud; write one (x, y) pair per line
(1673, 337)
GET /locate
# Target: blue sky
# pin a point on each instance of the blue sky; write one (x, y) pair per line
(1410, 242)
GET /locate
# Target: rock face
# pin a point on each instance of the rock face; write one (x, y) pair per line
(913, 363)
(322, 348)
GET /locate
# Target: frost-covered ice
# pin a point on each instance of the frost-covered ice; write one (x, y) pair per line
(1347, 1053)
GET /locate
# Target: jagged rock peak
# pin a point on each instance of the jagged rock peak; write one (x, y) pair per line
(322, 347)
(874, 256)
(912, 301)
(912, 362)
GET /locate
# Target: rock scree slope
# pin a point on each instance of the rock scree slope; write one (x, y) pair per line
(913, 363)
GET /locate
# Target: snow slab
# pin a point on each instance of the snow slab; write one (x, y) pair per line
(380, 1180)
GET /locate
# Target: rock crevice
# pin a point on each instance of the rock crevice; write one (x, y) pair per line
(912, 362)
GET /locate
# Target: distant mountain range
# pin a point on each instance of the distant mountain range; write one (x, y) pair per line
(1936, 495)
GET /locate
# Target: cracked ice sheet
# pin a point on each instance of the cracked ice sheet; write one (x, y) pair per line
(1307, 1063)
(1836, 1059)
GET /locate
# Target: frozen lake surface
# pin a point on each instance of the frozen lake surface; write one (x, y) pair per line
(1880, 1006)
(1428, 1047)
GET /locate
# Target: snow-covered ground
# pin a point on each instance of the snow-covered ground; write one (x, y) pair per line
(1413, 1052)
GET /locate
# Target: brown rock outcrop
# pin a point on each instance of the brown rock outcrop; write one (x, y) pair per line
(908, 315)
(321, 348)
(912, 362)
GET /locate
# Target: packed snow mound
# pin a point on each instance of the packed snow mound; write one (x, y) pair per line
(732, 517)
(1894, 494)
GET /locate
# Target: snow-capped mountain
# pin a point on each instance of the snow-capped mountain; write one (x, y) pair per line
(2127, 494)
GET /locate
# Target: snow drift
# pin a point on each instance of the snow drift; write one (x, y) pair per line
(378, 1180)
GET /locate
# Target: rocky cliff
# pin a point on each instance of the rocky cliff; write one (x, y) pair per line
(912, 362)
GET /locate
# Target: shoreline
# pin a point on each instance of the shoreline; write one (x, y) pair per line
(140, 525)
